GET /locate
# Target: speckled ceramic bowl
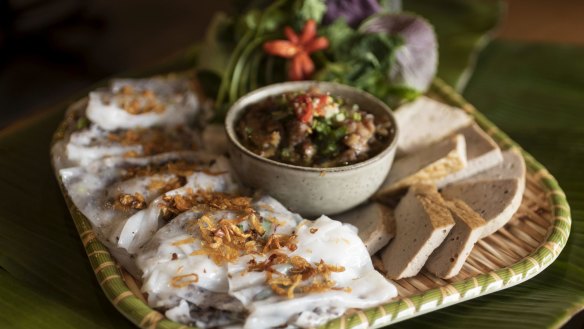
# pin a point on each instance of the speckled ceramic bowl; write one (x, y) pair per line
(306, 190)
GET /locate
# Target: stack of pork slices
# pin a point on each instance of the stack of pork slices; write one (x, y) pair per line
(450, 185)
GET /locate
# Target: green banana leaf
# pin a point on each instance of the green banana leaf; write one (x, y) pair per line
(45, 277)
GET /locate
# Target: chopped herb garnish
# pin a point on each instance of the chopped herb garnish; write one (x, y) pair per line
(82, 123)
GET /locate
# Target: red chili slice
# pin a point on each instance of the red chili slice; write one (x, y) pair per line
(304, 111)
(321, 104)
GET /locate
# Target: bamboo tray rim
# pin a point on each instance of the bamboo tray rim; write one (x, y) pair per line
(111, 277)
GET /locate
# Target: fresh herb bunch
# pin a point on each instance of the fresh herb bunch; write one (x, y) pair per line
(370, 46)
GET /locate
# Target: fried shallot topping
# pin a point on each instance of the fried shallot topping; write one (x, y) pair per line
(206, 201)
(302, 277)
(129, 202)
(176, 204)
(181, 281)
(163, 186)
(225, 238)
(180, 169)
(279, 241)
(153, 140)
(177, 167)
(138, 102)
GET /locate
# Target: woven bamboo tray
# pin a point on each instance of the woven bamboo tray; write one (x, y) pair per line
(530, 242)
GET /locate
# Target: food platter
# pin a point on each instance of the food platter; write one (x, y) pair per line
(527, 244)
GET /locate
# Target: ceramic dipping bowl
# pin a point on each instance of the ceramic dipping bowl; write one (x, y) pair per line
(307, 190)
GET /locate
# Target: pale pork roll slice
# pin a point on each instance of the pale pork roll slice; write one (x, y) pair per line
(482, 153)
(512, 166)
(427, 166)
(426, 121)
(496, 193)
(495, 200)
(447, 260)
(422, 223)
(143, 103)
(375, 223)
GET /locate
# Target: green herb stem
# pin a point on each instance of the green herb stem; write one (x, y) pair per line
(240, 65)
(225, 79)
(230, 78)
(254, 68)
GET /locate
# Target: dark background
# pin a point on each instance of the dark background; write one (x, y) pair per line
(51, 48)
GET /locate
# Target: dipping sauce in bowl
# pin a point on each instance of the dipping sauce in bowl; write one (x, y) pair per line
(317, 147)
(312, 128)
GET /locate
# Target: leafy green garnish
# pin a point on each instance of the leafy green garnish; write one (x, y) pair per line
(328, 137)
(364, 57)
(363, 61)
(82, 123)
(285, 153)
(322, 126)
(309, 9)
(338, 33)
